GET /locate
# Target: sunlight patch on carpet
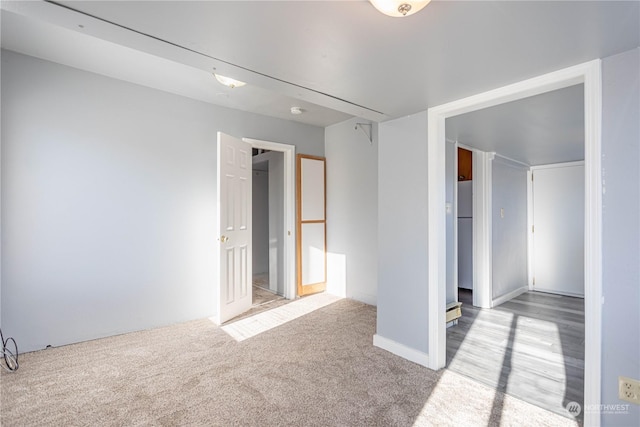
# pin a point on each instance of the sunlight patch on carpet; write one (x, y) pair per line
(447, 390)
(454, 391)
(262, 322)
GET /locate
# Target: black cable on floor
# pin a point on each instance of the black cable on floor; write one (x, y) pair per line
(10, 357)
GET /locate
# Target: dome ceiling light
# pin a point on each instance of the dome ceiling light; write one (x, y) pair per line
(399, 8)
(228, 81)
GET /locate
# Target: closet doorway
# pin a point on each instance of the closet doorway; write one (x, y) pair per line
(273, 209)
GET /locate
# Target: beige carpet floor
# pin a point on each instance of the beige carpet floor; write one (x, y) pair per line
(320, 369)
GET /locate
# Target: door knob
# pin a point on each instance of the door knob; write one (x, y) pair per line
(223, 238)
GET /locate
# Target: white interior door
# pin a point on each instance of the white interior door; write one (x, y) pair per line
(234, 227)
(558, 234)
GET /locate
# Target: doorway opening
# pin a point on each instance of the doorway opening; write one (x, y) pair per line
(525, 342)
(589, 75)
(267, 226)
(233, 256)
(281, 234)
(532, 342)
(459, 195)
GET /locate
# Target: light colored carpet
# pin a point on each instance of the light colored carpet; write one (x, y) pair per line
(250, 326)
(320, 369)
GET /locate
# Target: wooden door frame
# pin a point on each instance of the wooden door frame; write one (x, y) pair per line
(589, 74)
(289, 226)
(321, 286)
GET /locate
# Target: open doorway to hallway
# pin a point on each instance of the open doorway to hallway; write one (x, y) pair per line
(268, 233)
(521, 341)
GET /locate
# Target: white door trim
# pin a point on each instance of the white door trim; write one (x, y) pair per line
(454, 213)
(530, 247)
(588, 73)
(289, 152)
(481, 240)
(482, 229)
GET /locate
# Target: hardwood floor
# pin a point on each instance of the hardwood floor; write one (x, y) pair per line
(531, 347)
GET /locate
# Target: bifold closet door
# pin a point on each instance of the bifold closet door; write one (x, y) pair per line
(311, 224)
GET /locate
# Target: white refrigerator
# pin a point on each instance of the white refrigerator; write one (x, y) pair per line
(465, 235)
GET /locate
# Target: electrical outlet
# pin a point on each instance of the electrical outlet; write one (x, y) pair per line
(629, 390)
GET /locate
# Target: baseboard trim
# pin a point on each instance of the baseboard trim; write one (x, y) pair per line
(401, 350)
(565, 294)
(506, 297)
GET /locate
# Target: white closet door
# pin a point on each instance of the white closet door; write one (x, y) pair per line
(558, 234)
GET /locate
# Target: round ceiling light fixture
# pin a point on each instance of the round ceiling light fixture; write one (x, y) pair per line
(399, 8)
(228, 81)
(296, 111)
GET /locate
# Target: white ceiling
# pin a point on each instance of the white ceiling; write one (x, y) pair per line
(335, 59)
(539, 130)
(41, 39)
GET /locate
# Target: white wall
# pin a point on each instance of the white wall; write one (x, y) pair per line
(260, 220)
(1, 236)
(509, 232)
(108, 201)
(352, 206)
(276, 222)
(402, 232)
(402, 295)
(621, 229)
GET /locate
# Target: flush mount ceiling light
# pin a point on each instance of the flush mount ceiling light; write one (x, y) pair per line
(296, 110)
(399, 8)
(228, 81)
